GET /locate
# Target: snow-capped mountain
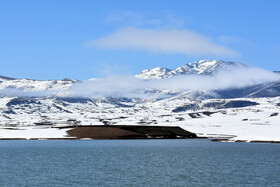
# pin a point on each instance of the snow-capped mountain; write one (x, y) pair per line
(202, 67)
(155, 73)
(35, 85)
(60, 88)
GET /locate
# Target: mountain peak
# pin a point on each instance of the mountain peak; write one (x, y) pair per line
(155, 73)
(202, 67)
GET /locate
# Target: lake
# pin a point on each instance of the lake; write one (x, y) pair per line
(178, 162)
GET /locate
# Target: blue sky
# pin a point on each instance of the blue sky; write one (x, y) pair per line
(51, 39)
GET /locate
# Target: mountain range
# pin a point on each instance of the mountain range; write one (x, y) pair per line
(201, 68)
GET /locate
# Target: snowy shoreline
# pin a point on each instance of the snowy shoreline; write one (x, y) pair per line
(60, 133)
(97, 132)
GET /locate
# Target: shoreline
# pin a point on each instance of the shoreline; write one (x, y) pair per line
(212, 140)
(111, 132)
(95, 132)
(244, 141)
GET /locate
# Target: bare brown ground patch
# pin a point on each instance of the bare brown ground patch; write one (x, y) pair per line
(103, 133)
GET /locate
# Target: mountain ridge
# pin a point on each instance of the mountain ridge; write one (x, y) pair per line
(202, 67)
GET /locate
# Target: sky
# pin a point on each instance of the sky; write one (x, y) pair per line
(83, 39)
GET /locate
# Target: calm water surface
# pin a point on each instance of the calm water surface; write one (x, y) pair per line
(138, 163)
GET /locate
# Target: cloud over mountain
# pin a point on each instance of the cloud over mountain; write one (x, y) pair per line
(129, 85)
(203, 75)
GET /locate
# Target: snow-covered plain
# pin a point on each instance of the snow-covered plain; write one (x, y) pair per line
(251, 123)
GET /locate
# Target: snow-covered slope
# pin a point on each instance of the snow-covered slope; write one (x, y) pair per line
(35, 85)
(202, 67)
(155, 73)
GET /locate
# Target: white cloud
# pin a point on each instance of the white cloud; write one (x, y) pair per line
(163, 41)
(129, 86)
